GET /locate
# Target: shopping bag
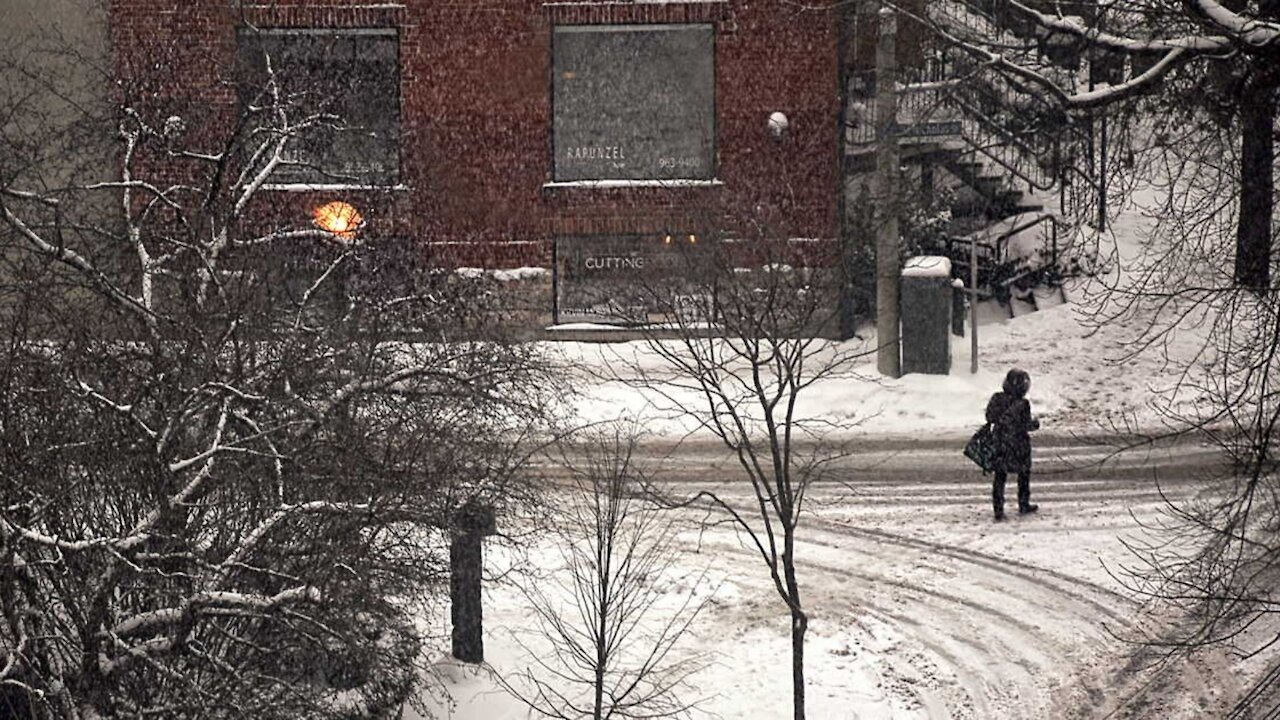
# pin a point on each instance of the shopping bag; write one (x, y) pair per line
(981, 448)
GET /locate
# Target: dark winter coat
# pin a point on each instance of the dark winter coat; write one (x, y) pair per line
(1011, 423)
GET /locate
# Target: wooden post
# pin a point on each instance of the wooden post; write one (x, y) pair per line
(466, 569)
(888, 354)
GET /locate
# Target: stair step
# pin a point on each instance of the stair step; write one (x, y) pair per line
(990, 211)
(991, 312)
(1047, 296)
(1019, 307)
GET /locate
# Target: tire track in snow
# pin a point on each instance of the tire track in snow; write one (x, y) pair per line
(961, 658)
(996, 650)
(961, 611)
(899, 677)
(1060, 583)
(974, 634)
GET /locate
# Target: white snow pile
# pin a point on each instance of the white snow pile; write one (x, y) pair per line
(927, 266)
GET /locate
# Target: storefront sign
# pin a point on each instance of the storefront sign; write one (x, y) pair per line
(627, 280)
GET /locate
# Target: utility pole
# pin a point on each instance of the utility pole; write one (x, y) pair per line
(888, 270)
(1098, 138)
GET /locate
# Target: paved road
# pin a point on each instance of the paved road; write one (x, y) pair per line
(923, 607)
(984, 620)
(938, 460)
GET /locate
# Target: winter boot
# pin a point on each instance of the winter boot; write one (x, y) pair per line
(1025, 506)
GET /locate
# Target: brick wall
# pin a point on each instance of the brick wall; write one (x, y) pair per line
(476, 124)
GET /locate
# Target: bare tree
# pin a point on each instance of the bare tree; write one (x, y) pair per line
(1201, 72)
(231, 444)
(739, 350)
(612, 639)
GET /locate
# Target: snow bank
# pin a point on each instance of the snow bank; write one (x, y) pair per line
(1082, 377)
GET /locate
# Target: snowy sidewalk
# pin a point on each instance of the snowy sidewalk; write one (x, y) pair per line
(1078, 387)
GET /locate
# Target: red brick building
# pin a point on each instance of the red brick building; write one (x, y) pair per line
(523, 127)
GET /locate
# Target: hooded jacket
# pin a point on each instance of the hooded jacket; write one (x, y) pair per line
(1011, 423)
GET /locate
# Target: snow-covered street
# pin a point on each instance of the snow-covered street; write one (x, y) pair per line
(921, 606)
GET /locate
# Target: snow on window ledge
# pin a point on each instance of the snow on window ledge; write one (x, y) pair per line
(642, 327)
(331, 187)
(714, 182)
(505, 275)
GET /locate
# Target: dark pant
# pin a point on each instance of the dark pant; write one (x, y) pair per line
(997, 491)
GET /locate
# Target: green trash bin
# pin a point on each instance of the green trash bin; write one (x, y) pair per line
(926, 307)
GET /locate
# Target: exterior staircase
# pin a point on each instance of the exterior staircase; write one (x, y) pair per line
(1009, 159)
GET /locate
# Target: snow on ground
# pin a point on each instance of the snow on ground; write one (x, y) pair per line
(921, 606)
(1073, 384)
(1080, 377)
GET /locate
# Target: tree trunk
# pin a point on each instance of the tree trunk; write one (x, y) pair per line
(799, 624)
(799, 620)
(1257, 185)
(602, 643)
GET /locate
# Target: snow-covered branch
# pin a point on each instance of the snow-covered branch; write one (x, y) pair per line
(142, 530)
(153, 620)
(1248, 30)
(125, 410)
(289, 235)
(76, 261)
(1106, 95)
(157, 620)
(1095, 36)
(53, 541)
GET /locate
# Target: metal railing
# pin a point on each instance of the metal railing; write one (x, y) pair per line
(991, 254)
(940, 111)
(984, 114)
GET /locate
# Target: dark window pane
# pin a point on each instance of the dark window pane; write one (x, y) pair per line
(347, 84)
(634, 102)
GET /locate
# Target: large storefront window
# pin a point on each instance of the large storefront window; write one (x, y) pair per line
(344, 86)
(634, 102)
(630, 279)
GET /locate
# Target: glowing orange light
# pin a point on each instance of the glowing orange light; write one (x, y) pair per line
(667, 239)
(693, 238)
(339, 218)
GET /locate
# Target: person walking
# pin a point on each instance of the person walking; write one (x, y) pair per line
(1009, 413)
